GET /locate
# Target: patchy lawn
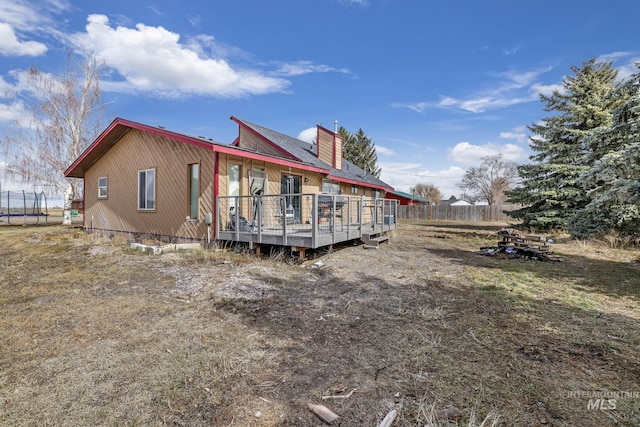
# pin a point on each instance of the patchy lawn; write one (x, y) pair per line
(93, 333)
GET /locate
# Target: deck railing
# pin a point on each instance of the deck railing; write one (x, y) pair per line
(304, 220)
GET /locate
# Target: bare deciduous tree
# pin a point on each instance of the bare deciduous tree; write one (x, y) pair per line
(491, 179)
(427, 191)
(64, 117)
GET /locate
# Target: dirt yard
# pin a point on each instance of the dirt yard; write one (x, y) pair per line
(93, 333)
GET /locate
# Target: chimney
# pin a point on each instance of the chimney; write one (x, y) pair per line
(329, 146)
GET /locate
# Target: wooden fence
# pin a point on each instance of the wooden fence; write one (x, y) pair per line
(457, 213)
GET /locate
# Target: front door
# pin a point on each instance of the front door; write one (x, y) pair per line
(292, 184)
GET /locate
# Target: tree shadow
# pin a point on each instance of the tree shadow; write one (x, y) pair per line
(445, 343)
(613, 278)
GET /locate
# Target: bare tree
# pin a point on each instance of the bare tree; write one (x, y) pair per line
(427, 191)
(491, 179)
(64, 117)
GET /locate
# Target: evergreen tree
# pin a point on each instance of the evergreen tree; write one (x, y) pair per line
(551, 190)
(359, 150)
(613, 183)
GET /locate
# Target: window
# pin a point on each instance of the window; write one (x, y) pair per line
(102, 187)
(375, 194)
(194, 190)
(147, 190)
(354, 189)
(330, 187)
(257, 181)
(234, 184)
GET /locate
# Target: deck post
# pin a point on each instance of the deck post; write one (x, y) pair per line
(218, 219)
(314, 219)
(283, 210)
(348, 218)
(259, 219)
(333, 219)
(236, 216)
(360, 215)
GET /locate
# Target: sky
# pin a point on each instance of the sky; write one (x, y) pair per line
(436, 85)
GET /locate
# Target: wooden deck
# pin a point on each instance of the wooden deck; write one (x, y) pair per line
(310, 220)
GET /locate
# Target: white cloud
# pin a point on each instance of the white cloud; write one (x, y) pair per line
(512, 51)
(480, 105)
(11, 112)
(403, 176)
(308, 135)
(513, 88)
(152, 59)
(385, 151)
(546, 90)
(306, 67)
(363, 3)
(518, 133)
(11, 46)
(418, 107)
(471, 154)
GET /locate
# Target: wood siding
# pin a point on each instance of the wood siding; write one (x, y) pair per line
(325, 146)
(252, 142)
(338, 153)
(137, 151)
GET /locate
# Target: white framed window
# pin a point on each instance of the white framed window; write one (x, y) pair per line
(354, 189)
(233, 184)
(194, 190)
(102, 187)
(147, 190)
(375, 194)
(330, 187)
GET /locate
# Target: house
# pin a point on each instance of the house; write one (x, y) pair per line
(452, 201)
(264, 188)
(406, 199)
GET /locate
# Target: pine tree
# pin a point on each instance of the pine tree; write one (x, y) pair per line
(359, 150)
(613, 183)
(551, 189)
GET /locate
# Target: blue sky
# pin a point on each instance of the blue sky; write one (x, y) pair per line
(436, 85)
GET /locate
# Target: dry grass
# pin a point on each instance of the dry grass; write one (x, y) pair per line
(93, 333)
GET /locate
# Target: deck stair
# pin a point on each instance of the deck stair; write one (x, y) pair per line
(372, 241)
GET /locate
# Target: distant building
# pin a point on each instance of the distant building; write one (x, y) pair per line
(406, 199)
(452, 201)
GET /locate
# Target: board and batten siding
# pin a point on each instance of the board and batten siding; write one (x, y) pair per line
(137, 151)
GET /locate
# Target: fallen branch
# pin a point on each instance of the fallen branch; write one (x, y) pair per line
(389, 419)
(322, 412)
(342, 396)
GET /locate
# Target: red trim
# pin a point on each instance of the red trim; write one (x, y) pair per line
(361, 183)
(262, 137)
(325, 129)
(139, 126)
(193, 141)
(216, 191)
(92, 146)
(234, 151)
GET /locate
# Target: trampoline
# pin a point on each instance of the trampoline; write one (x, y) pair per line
(28, 206)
